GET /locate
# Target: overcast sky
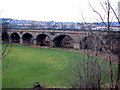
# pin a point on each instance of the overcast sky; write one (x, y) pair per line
(48, 10)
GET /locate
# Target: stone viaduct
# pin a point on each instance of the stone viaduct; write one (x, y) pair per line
(57, 38)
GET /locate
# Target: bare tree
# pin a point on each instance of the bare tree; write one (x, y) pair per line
(92, 68)
(86, 72)
(7, 46)
(108, 49)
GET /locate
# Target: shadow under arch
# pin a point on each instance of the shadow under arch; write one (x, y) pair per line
(15, 38)
(43, 40)
(114, 44)
(5, 37)
(27, 39)
(64, 41)
(91, 43)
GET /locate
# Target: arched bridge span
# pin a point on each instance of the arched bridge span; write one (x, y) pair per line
(59, 38)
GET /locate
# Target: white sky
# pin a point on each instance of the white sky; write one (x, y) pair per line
(48, 10)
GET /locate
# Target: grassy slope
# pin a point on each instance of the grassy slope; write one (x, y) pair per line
(25, 65)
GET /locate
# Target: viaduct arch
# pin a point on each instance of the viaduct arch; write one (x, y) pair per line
(15, 38)
(27, 38)
(91, 43)
(5, 37)
(59, 38)
(63, 41)
(43, 40)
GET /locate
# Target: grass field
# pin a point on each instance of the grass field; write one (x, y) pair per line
(25, 65)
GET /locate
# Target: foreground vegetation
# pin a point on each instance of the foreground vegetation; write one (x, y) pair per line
(25, 65)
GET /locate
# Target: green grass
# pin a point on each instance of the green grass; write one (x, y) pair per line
(25, 65)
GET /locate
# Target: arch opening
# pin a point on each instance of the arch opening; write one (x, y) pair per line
(63, 41)
(15, 38)
(114, 44)
(43, 40)
(5, 37)
(91, 43)
(27, 39)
